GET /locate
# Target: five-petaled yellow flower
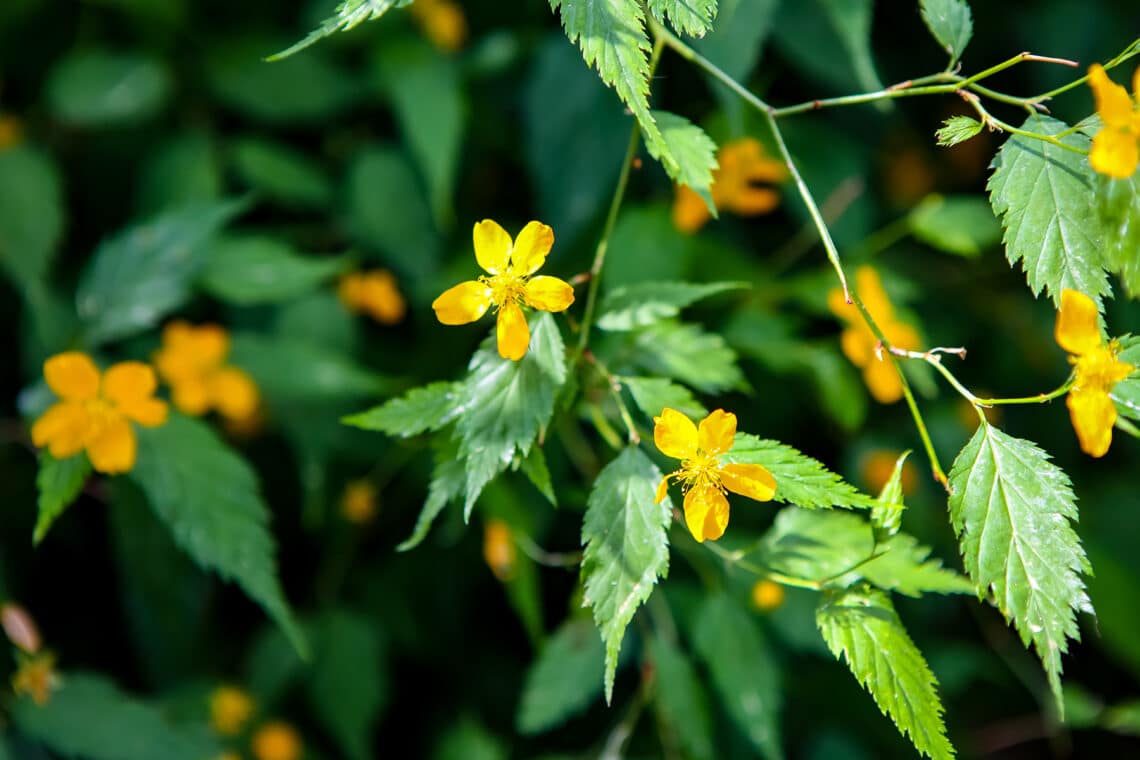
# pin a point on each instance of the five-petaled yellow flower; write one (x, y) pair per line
(861, 346)
(192, 362)
(510, 266)
(742, 165)
(1097, 368)
(96, 410)
(1116, 147)
(703, 477)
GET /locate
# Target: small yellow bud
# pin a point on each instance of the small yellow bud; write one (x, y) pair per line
(767, 595)
(276, 741)
(499, 549)
(230, 708)
(358, 503)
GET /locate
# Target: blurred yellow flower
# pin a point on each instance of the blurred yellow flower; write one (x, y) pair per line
(861, 346)
(96, 410)
(767, 595)
(703, 478)
(1097, 368)
(36, 677)
(499, 549)
(879, 465)
(230, 709)
(192, 362)
(374, 293)
(1116, 147)
(442, 21)
(510, 266)
(741, 166)
(20, 628)
(358, 502)
(11, 130)
(276, 741)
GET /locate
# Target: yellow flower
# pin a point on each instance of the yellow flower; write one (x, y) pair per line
(374, 293)
(499, 549)
(230, 708)
(96, 410)
(358, 503)
(1097, 368)
(704, 479)
(276, 741)
(20, 628)
(510, 266)
(1116, 147)
(741, 166)
(861, 346)
(767, 595)
(192, 362)
(442, 21)
(36, 677)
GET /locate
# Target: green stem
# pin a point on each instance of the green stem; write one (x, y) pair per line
(1128, 52)
(1040, 398)
(663, 35)
(614, 385)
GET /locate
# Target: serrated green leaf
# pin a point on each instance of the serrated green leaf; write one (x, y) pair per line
(693, 153)
(448, 480)
(951, 23)
(534, 467)
(961, 224)
(1043, 195)
(95, 88)
(59, 482)
(681, 703)
(420, 410)
(886, 515)
(861, 625)
(288, 371)
(209, 498)
(1118, 208)
(957, 129)
(653, 394)
(281, 173)
(691, 17)
(143, 273)
(564, 679)
(250, 270)
(687, 353)
(349, 15)
(631, 306)
(627, 547)
(31, 214)
(744, 672)
(1011, 509)
(89, 717)
(346, 683)
(800, 480)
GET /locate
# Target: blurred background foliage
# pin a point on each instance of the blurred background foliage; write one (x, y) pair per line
(377, 149)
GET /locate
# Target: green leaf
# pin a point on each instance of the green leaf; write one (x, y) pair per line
(653, 394)
(468, 740)
(627, 547)
(95, 88)
(1118, 208)
(800, 480)
(502, 404)
(288, 371)
(1044, 195)
(631, 306)
(957, 129)
(692, 17)
(648, 242)
(346, 682)
(886, 515)
(1011, 508)
(693, 154)
(208, 496)
(744, 672)
(142, 274)
(448, 481)
(830, 40)
(349, 14)
(429, 407)
(861, 626)
(281, 173)
(31, 214)
(250, 270)
(961, 224)
(59, 482)
(681, 703)
(951, 23)
(182, 171)
(687, 353)
(533, 465)
(564, 679)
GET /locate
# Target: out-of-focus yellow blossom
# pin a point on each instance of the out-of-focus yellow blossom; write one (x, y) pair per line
(374, 293)
(96, 410)
(499, 549)
(908, 175)
(1116, 147)
(510, 266)
(20, 628)
(879, 465)
(860, 345)
(276, 741)
(10, 131)
(36, 677)
(742, 165)
(767, 595)
(442, 21)
(703, 477)
(1097, 367)
(358, 503)
(192, 361)
(230, 709)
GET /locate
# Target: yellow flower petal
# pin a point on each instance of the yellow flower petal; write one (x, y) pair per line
(716, 432)
(751, 480)
(689, 210)
(530, 249)
(512, 332)
(753, 201)
(1112, 101)
(1115, 153)
(1093, 414)
(869, 286)
(72, 376)
(706, 512)
(492, 246)
(901, 335)
(350, 291)
(191, 396)
(114, 449)
(858, 345)
(381, 298)
(189, 350)
(675, 434)
(463, 303)
(130, 386)
(882, 380)
(63, 428)
(549, 294)
(1076, 330)
(837, 304)
(233, 393)
(662, 490)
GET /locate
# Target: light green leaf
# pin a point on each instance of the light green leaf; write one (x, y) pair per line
(744, 672)
(631, 306)
(136, 278)
(288, 371)
(31, 214)
(183, 170)
(861, 626)
(95, 88)
(886, 515)
(653, 394)
(687, 353)
(1123, 718)
(800, 480)
(957, 129)
(830, 40)
(448, 481)
(281, 173)
(429, 407)
(693, 153)
(208, 496)
(961, 224)
(89, 717)
(250, 270)
(1011, 508)
(59, 482)
(533, 465)
(681, 703)
(951, 23)
(346, 682)
(564, 679)
(468, 740)
(1044, 196)
(627, 547)
(349, 14)
(1118, 208)
(692, 17)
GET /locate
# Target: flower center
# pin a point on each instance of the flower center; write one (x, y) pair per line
(1100, 369)
(701, 470)
(100, 413)
(505, 288)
